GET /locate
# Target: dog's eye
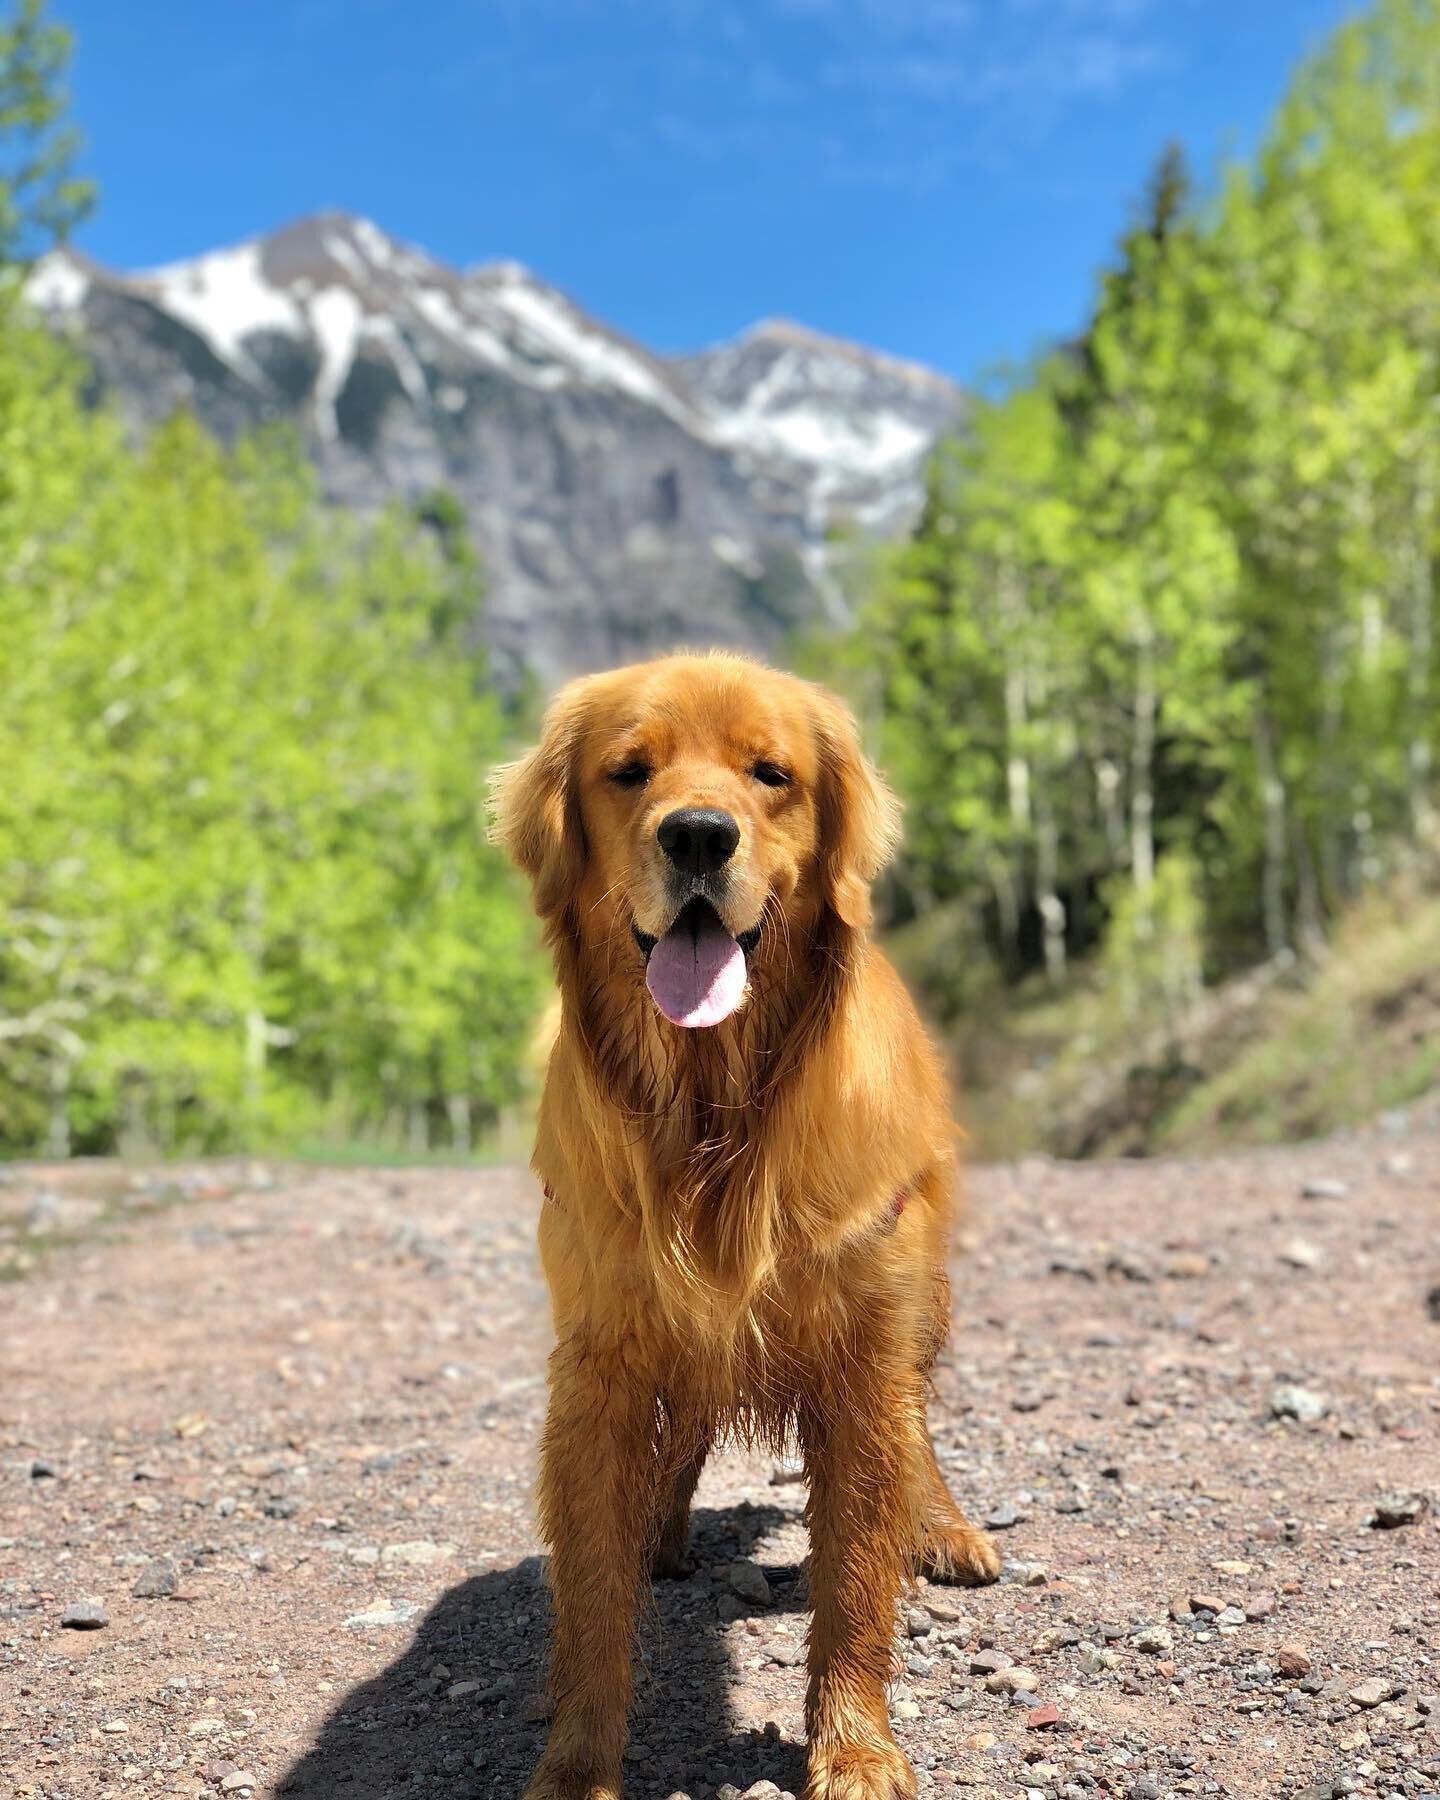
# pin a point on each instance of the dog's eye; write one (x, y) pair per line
(771, 774)
(632, 774)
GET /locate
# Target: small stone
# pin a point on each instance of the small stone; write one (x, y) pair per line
(748, 1581)
(1394, 1510)
(398, 1612)
(943, 1611)
(1289, 1401)
(1376, 1691)
(1042, 1717)
(85, 1615)
(1012, 1681)
(988, 1662)
(980, 1740)
(1211, 1603)
(1321, 1188)
(116, 1726)
(1187, 1265)
(42, 1469)
(1005, 1516)
(1154, 1640)
(905, 1709)
(918, 1624)
(1258, 1606)
(762, 1790)
(158, 1580)
(1226, 1567)
(1299, 1253)
(1230, 1615)
(419, 1553)
(241, 1780)
(1058, 1637)
(786, 1652)
(1293, 1660)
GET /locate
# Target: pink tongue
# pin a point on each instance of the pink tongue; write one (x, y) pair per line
(697, 977)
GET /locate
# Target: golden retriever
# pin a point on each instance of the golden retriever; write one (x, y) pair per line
(746, 1154)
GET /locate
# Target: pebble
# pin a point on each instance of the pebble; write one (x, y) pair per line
(1300, 1253)
(419, 1553)
(1323, 1188)
(1293, 1660)
(1290, 1402)
(981, 1740)
(85, 1615)
(918, 1624)
(1376, 1691)
(398, 1612)
(158, 1580)
(241, 1780)
(1012, 1680)
(1005, 1516)
(1258, 1606)
(1394, 1510)
(1154, 1640)
(748, 1581)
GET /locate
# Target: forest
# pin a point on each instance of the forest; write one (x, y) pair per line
(245, 897)
(1156, 673)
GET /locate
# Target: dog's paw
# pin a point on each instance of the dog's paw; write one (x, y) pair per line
(960, 1555)
(870, 1771)
(564, 1780)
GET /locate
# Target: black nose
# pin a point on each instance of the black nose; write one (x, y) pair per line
(698, 839)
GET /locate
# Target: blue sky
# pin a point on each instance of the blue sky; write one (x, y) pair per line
(940, 178)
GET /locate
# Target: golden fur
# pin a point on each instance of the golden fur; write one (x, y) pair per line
(720, 1233)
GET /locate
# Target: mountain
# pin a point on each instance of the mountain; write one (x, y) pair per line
(622, 501)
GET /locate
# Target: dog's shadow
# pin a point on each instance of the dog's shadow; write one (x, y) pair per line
(460, 1715)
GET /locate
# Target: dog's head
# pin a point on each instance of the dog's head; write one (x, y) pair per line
(688, 813)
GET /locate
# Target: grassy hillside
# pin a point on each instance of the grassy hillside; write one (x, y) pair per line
(1287, 1052)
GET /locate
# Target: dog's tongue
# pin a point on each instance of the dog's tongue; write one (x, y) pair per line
(696, 973)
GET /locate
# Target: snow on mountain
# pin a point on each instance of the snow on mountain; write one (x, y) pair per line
(622, 500)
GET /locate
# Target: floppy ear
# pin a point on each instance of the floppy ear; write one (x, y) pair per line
(535, 805)
(859, 816)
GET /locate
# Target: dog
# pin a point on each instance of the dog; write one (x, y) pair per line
(747, 1159)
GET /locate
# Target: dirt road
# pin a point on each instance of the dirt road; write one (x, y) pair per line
(277, 1428)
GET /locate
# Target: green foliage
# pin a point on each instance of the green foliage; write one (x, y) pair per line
(244, 892)
(40, 198)
(1161, 657)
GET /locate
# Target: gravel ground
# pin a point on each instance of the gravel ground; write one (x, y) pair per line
(267, 1443)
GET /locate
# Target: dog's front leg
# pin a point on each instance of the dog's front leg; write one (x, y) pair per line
(597, 1504)
(857, 1439)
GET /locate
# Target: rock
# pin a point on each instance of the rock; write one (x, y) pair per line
(762, 1790)
(980, 1740)
(1291, 1402)
(240, 1781)
(1293, 1660)
(1230, 1615)
(1187, 1266)
(1394, 1510)
(1376, 1691)
(987, 1662)
(1043, 1717)
(459, 1689)
(943, 1611)
(419, 1553)
(1005, 1516)
(375, 1618)
(85, 1615)
(158, 1580)
(1154, 1640)
(1012, 1680)
(1258, 1606)
(918, 1624)
(1211, 1603)
(1299, 1253)
(748, 1581)
(786, 1652)
(905, 1709)
(41, 1469)
(1321, 1188)
(1058, 1637)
